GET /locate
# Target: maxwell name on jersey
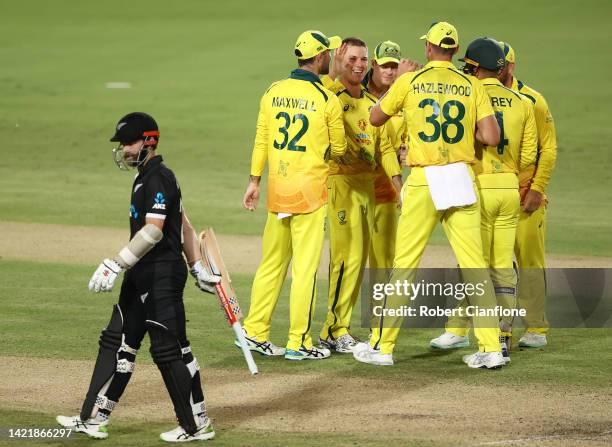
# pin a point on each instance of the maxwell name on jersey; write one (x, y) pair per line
(293, 103)
(439, 87)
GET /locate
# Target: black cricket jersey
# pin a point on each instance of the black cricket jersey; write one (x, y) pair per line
(156, 194)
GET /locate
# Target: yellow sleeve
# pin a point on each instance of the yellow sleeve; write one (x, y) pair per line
(529, 144)
(547, 142)
(260, 148)
(335, 125)
(388, 156)
(393, 101)
(483, 102)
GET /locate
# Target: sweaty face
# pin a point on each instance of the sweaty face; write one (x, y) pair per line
(355, 64)
(385, 74)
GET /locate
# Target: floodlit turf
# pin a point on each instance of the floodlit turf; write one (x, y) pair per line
(200, 68)
(49, 313)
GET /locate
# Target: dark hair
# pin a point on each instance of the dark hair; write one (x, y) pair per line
(302, 62)
(354, 42)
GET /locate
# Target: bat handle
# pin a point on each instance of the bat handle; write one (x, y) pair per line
(245, 349)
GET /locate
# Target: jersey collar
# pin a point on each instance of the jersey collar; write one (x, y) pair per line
(440, 64)
(152, 163)
(515, 84)
(304, 75)
(492, 81)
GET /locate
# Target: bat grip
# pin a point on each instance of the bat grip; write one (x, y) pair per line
(245, 349)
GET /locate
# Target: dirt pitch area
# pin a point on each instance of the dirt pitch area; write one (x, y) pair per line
(324, 403)
(88, 245)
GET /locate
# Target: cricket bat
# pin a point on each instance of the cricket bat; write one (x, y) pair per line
(213, 261)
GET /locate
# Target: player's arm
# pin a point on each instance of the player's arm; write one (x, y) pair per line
(258, 158)
(547, 141)
(191, 248)
(157, 203)
(335, 126)
(391, 102)
(487, 129)
(388, 159)
(529, 143)
(335, 69)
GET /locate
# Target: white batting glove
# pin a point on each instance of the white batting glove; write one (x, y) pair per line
(204, 281)
(105, 275)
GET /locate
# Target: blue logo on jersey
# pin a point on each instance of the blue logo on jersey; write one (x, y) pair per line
(159, 198)
(133, 212)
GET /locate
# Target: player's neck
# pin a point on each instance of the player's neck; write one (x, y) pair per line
(377, 90)
(509, 82)
(353, 89)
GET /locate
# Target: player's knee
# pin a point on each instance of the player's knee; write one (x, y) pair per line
(165, 347)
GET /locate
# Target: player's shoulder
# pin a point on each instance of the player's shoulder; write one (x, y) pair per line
(532, 94)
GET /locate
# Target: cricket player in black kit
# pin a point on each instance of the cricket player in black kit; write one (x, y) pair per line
(151, 298)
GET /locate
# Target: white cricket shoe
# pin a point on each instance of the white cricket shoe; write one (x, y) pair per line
(532, 340)
(488, 360)
(262, 347)
(205, 431)
(364, 353)
(91, 427)
(449, 340)
(307, 354)
(345, 344)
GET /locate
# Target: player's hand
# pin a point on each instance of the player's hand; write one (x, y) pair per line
(532, 201)
(105, 275)
(402, 154)
(204, 281)
(337, 63)
(251, 196)
(407, 65)
(398, 184)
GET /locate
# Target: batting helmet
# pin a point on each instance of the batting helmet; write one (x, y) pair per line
(486, 53)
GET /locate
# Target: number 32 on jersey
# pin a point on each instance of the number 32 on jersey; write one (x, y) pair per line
(299, 122)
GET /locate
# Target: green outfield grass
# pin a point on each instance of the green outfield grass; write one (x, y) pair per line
(49, 307)
(200, 68)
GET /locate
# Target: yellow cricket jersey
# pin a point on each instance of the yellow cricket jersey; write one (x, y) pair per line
(299, 125)
(442, 106)
(537, 177)
(517, 148)
(367, 145)
(396, 130)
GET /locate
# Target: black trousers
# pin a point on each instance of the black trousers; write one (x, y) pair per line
(153, 291)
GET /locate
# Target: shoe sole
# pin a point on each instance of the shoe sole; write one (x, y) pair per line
(463, 344)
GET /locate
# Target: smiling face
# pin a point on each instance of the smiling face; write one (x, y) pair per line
(355, 64)
(385, 74)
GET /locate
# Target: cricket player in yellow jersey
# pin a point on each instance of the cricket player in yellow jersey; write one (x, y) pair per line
(299, 126)
(387, 56)
(496, 170)
(531, 230)
(351, 192)
(446, 111)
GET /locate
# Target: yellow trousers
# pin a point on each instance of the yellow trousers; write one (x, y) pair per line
(499, 218)
(529, 251)
(462, 227)
(350, 210)
(298, 238)
(382, 248)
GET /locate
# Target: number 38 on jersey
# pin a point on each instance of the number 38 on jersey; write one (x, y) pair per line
(446, 124)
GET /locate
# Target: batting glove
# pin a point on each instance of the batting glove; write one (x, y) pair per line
(104, 277)
(204, 281)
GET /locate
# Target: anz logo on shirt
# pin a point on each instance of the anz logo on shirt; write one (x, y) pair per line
(133, 212)
(160, 202)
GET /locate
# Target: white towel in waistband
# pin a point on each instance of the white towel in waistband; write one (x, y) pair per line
(450, 185)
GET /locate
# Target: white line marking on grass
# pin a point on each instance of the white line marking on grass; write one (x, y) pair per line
(575, 437)
(118, 85)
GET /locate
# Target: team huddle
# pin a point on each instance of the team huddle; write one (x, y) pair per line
(481, 148)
